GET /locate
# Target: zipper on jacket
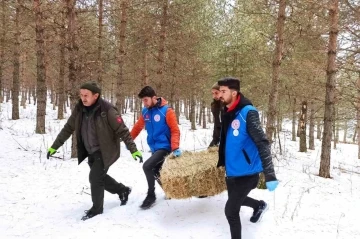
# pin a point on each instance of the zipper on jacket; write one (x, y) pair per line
(246, 157)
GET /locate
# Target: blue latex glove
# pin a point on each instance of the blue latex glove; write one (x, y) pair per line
(271, 185)
(177, 152)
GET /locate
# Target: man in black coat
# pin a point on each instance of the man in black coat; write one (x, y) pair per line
(244, 150)
(216, 110)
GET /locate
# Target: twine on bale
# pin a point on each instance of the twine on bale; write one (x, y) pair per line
(192, 174)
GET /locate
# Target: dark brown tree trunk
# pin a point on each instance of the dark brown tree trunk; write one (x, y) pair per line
(145, 73)
(273, 96)
(204, 114)
(318, 129)
(73, 53)
(16, 64)
(357, 131)
(303, 119)
(312, 127)
(2, 48)
(121, 57)
(161, 55)
(330, 90)
(61, 83)
(293, 130)
(99, 59)
(40, 68)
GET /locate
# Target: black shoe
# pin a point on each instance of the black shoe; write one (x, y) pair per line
(89, 214)
(259, 212)
(124, 196)
(149, 201)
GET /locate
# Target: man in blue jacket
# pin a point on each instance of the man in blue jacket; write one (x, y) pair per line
(245, 152)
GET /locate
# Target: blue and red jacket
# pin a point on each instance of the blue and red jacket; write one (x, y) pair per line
(161, 126)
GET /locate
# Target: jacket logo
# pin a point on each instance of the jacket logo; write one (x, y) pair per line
(119, 120)
(157, 118)
(235, 124)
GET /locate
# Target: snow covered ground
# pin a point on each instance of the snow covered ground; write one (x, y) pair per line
(46, 198)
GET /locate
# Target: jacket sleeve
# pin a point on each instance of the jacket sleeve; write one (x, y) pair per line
(67, 130)
(215, 110)
(138, 126)
(257, 134)
(120, 129)
(174, 128)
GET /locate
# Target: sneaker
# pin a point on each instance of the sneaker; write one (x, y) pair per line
(259, 212)
(89, 214)
(124, 196)
(149, 201)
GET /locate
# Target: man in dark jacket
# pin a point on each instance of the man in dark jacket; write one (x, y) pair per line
(245, 152)
(99, 128)
(216, 110)
(163, 137)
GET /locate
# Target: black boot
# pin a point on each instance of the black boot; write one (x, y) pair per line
(124, 196)
(259, 212)
(149, 201)
(90, 214)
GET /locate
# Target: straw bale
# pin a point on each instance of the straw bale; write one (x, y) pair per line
(193, 174)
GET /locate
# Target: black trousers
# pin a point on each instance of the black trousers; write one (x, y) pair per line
(99, 180)
(238, 189)
(152, 167)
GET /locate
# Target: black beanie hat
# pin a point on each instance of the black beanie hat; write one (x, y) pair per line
(230, 82)
(91, 86)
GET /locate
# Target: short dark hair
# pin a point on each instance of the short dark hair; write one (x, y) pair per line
(231, 82)
(147, 91)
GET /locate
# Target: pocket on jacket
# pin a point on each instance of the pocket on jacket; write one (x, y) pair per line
(246, 157)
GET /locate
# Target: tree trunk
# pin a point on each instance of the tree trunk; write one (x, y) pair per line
(293, 130)
(192, 112)
(61, 83)
(73, 54)
(16, 64)
(330, 90)
(121, 57)
(303, 119)
(345, 130)
(161, 55)
(99, 60)
(2, 48)
(145, 73)
(40, 68)
(177, 110)
(357, 131)
(273, 96)
(204, 114)
(312, 127)
(318, 129)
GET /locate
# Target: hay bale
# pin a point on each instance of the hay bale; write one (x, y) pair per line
(192, 174)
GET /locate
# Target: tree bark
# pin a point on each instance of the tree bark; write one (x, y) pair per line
(357, 131)
(61, 83)
(324, 170)
(121, 57)
(312, 127)
(16, 64)
(2, 48)
(161, 55)
(293, 130)
(99, 60)
(73, 54)
(303, 119)
(274, 92)
(40, 68)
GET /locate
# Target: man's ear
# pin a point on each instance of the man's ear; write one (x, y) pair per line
(97, 95)
(234, 93)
